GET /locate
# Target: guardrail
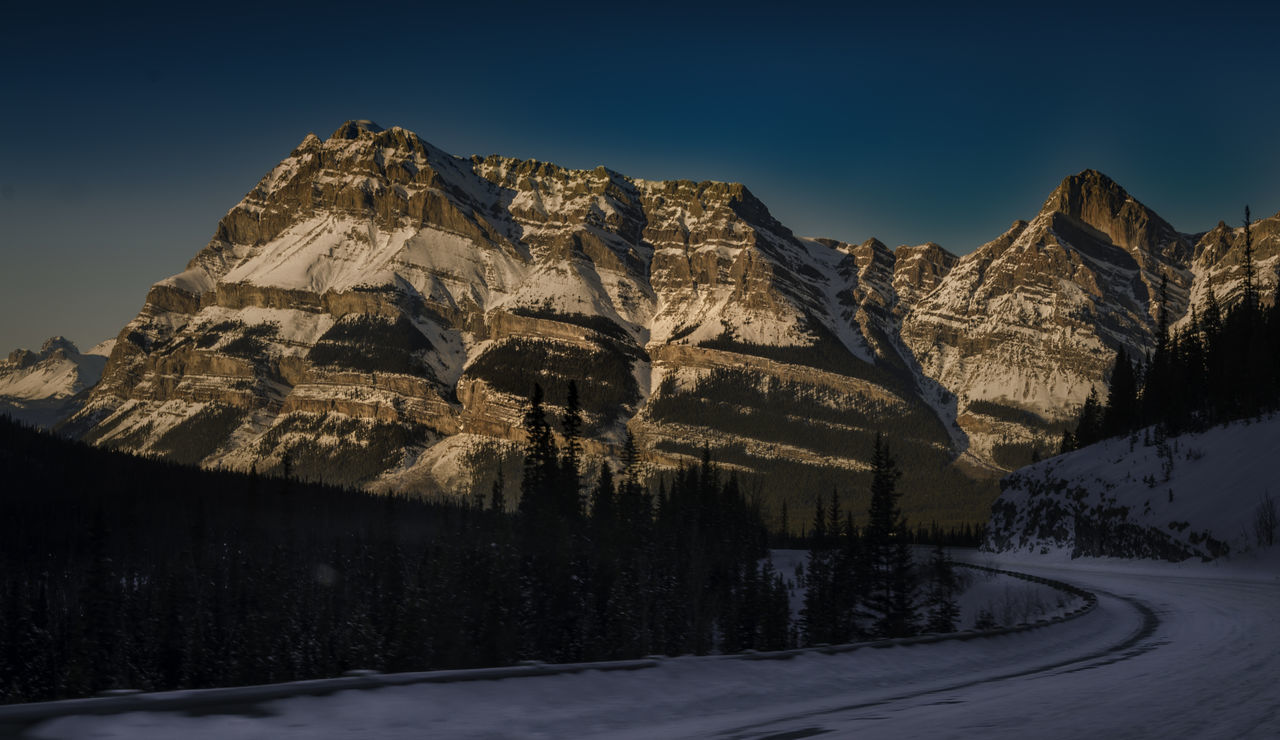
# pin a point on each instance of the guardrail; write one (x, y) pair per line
(117, 702)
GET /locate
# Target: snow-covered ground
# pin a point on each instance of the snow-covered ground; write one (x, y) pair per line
(1186, 650)
(1196, 495)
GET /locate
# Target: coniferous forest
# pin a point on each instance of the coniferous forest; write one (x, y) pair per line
(127, 572)
(1219, 366)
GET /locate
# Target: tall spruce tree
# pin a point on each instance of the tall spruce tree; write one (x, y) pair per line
(943, 611)
(570, 482)
(815, 615)
(1122, 397)
(1089, 430)
(891, 597)
(540, 460)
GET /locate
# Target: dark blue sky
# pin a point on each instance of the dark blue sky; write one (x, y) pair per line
(128, 133)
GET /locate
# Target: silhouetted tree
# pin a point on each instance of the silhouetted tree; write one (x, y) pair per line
(942, 609)
(892, 585)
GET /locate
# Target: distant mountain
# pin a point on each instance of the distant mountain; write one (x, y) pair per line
(376, 311)
(43, 388)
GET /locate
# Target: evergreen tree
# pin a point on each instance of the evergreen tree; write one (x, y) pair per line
(943, 611)
(603, 502)
(815, 615)
(540, 462)
(1122, 397)
(775, 622)
(547, 518)
(1212, 317)
(630, 459)
(570, 473)
(1089, 429)
(891, 594)
(1068, 442)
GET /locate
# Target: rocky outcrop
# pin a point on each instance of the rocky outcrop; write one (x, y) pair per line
(918, 270)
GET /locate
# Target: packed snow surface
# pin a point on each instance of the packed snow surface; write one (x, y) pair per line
(1184, 650)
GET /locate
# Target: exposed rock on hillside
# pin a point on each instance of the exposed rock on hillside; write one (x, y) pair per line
(375, 310)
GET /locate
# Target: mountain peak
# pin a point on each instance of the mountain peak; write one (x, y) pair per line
(1079, 191)
(25, 357)
(934, 249)
(355, 128)
(52, 344)
(1093, 198)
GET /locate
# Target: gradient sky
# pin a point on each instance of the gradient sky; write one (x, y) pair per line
(129, 132)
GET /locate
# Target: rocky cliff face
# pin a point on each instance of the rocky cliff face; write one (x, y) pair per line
(376, 310)
(1022, 329)
(1218, 263)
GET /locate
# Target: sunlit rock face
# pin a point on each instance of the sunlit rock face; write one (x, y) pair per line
(1026, 326)
(375, 312)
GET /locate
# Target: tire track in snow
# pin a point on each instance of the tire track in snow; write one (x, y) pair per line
(1132, 646)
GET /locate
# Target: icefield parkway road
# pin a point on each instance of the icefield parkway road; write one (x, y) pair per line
(1168, 652)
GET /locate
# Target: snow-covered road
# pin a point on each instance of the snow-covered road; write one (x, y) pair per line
(1168, 652)
(1201, 658)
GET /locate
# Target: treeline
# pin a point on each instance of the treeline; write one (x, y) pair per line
(864, 582)
(960, 535)
(1222, 365)
(123, 572)
(120, 572)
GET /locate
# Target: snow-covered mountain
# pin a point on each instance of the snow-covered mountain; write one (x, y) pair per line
(43, 388)
(1194, 495)
(376, 310)
(1218, 263)
(1024, 327)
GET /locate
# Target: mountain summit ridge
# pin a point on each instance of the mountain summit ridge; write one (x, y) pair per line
(376, 309)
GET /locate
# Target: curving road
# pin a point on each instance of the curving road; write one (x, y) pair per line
(1201, 659)
(1168, 652)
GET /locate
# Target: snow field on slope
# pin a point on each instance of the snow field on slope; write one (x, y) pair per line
(1213, 481)
(52, 378)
